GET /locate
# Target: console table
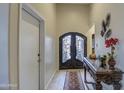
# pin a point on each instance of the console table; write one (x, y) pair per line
(110, 77)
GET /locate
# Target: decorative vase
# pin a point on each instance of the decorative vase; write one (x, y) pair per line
(112, 64)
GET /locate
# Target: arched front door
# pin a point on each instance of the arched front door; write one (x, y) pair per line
(72, 49)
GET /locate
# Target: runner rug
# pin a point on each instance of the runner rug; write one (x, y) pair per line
(73, 81)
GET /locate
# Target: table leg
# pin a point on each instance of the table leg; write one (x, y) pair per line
(117, 85)
(98, 85)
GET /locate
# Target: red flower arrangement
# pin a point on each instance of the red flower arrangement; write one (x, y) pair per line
(111, 42)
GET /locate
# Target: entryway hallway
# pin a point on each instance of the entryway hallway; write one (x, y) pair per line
(34, 56)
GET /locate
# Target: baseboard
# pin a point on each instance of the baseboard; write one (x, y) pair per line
(46, 86)
(4, 88)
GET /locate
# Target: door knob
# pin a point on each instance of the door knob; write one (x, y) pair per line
(38, 54)
(38, 58)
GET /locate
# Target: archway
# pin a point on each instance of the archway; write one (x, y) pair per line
(72, 49)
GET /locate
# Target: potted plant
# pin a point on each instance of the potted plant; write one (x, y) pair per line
(103, 61)
(111, 43)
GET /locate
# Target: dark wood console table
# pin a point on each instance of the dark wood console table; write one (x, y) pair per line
(110, 77)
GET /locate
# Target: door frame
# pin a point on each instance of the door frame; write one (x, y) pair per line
(28, 8)
(60, 46)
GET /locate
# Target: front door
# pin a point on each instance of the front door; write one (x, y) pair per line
(72, 50)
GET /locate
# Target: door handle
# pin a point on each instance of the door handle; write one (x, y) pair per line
(38, 54)
(38, 57)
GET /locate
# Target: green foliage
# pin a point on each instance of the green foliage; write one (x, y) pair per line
(103, 61)
(103, 58)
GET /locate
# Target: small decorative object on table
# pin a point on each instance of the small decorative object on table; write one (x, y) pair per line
(111, 43)
(93, 55)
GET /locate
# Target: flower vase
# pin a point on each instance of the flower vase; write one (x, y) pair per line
(112, 64)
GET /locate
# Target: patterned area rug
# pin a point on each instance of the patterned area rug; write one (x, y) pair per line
(73, 81)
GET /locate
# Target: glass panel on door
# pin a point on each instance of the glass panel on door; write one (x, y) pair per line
(79, 48)
(66, 45)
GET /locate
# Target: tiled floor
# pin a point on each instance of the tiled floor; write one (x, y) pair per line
(58, 81)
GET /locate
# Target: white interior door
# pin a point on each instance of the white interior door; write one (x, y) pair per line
(28, 52)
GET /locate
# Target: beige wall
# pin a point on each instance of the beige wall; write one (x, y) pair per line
(71, 18)
(98, 13)
(48, 12)
(13, 45)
